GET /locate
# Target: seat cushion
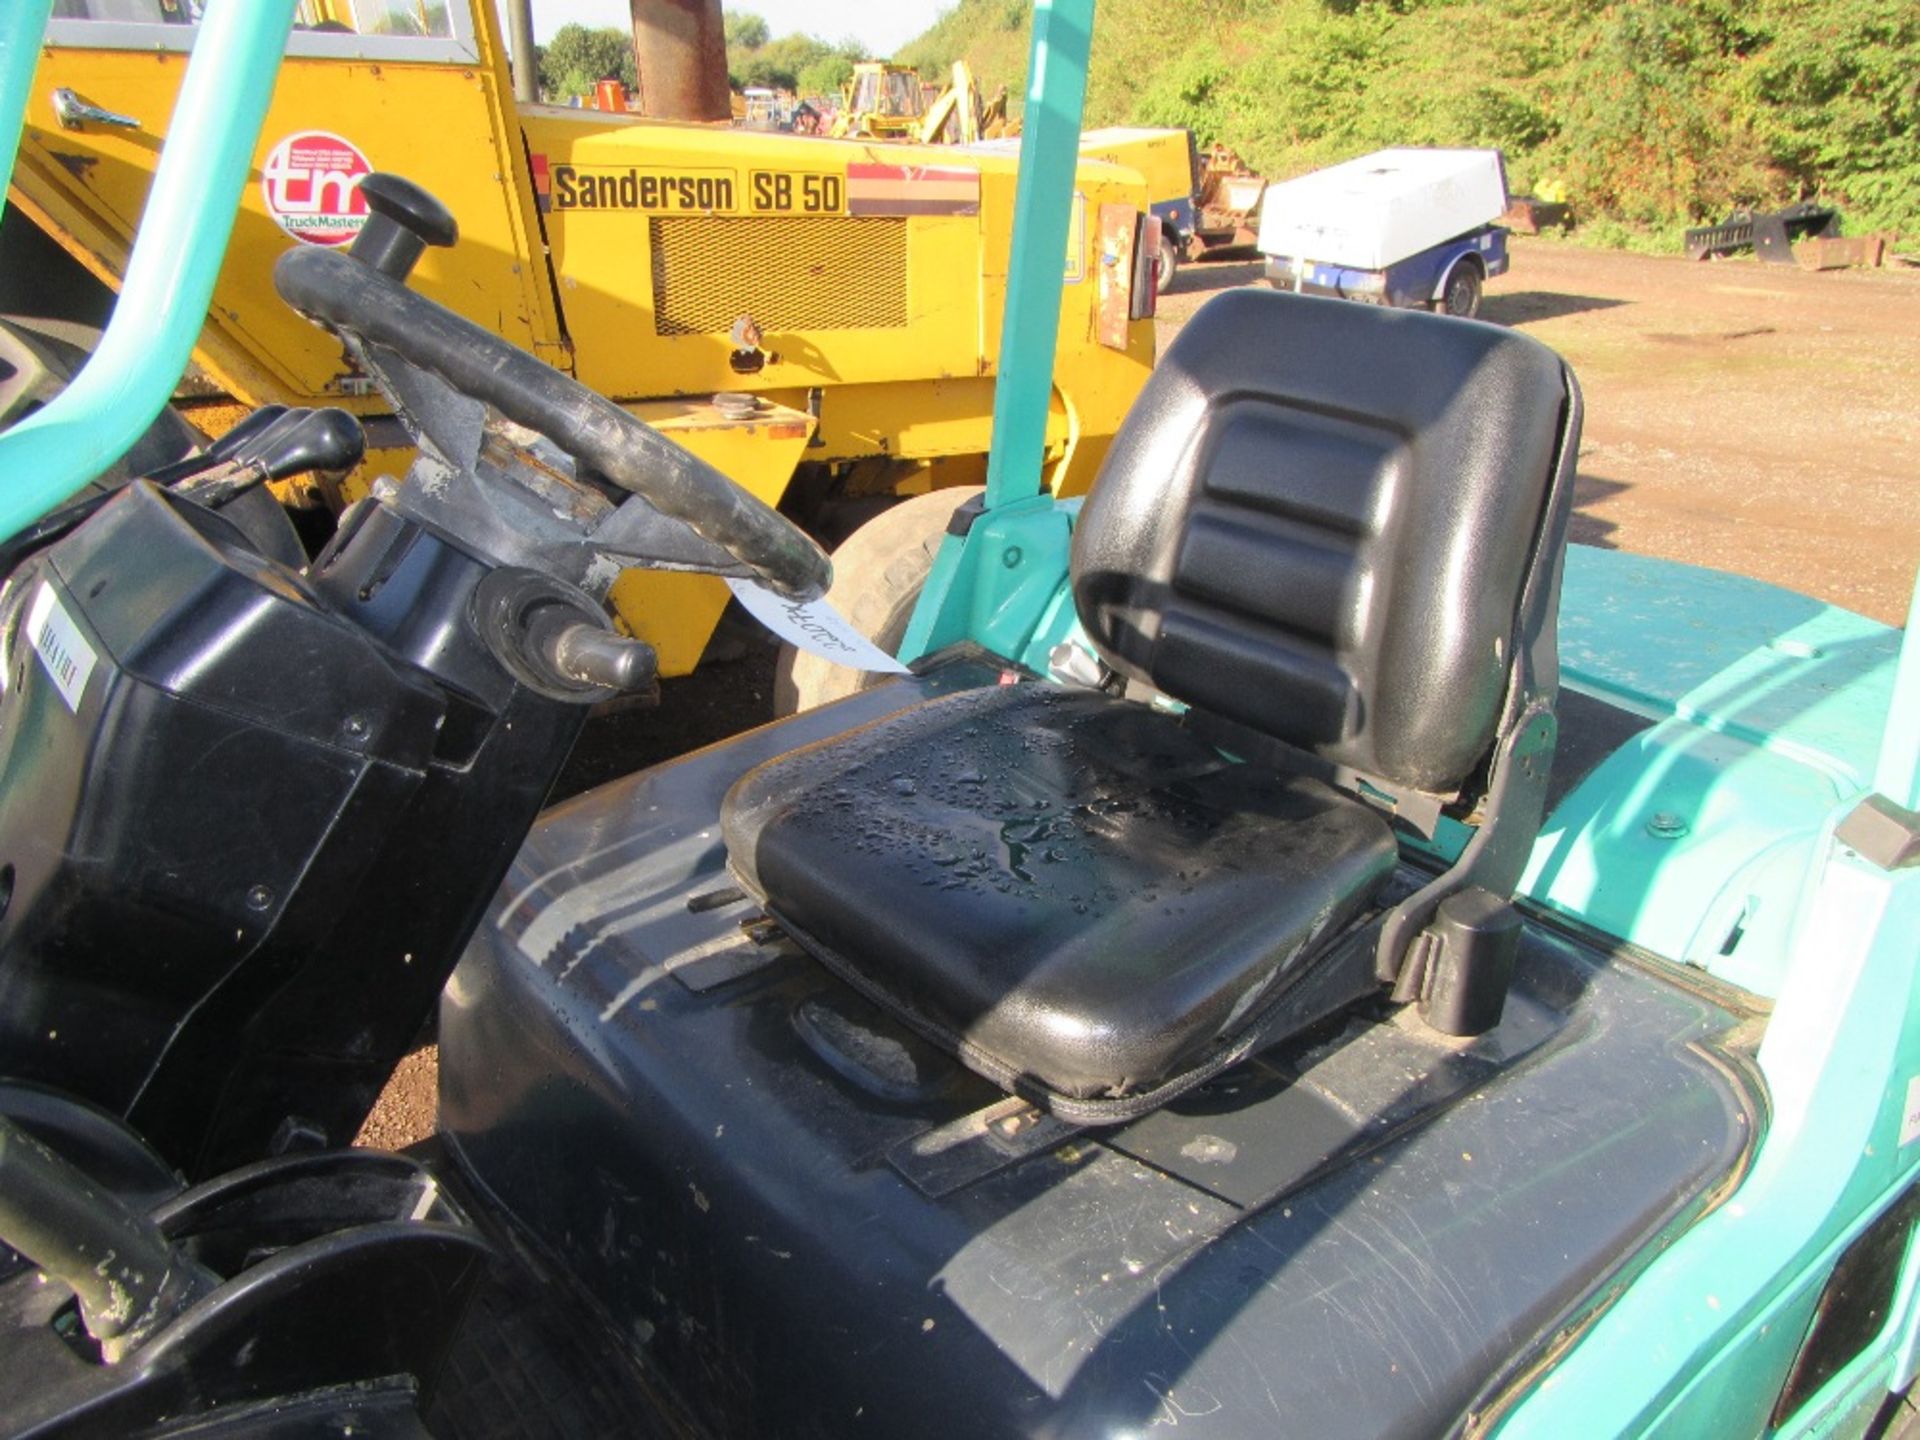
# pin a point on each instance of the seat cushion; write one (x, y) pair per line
(1069, 891)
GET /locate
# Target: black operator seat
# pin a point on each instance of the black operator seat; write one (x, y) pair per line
(1333, 533)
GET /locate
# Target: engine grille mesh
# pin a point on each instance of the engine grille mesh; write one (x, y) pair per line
(788, 272)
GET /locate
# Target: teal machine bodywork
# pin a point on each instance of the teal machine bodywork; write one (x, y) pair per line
(1706, 840)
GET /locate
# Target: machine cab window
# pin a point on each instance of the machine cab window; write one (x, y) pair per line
(424, 30)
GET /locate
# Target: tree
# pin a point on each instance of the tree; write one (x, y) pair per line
(745, 31)
(578, 58)
(829, 74)
(802, 63)
(779, 63)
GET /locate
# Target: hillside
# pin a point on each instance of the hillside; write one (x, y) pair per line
(990, 35)
(1651, 113)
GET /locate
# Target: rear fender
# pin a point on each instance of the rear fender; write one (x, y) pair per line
(1465, 257)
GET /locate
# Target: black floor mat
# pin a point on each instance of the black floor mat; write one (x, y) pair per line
(523, 1368)
(532, 1361)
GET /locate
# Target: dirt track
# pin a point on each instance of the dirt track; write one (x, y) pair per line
(1743, 416)
(1747, 417)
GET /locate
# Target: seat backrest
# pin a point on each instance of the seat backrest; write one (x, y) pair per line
(1319, 521)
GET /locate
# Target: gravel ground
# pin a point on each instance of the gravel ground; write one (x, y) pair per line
(1748, 417)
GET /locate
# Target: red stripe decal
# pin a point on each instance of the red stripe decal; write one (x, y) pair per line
(876, 189)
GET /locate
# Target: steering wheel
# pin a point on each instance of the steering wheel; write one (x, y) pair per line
(363, 293)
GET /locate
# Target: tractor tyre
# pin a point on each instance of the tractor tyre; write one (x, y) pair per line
(1462, 293)
(1169, 263)
(878, 574)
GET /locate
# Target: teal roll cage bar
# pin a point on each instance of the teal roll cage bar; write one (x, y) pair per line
(176, 256)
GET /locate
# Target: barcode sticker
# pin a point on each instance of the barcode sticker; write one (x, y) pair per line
(62, 649)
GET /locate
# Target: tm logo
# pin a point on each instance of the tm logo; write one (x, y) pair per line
(311, 182)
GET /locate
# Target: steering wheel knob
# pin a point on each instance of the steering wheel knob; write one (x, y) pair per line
(405, 220)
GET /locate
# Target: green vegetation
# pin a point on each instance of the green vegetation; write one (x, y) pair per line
(1652, 113)
(804, 64)
(577, 57)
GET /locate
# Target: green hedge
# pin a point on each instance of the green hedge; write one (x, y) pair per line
(1651, 113)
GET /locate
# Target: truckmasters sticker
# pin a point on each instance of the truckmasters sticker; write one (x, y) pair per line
(62, 649)
(312, 185)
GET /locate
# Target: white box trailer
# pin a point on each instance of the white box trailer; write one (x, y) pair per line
(1402, 227)
(1375, 211)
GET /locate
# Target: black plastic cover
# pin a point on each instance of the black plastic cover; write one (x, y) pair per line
(1474, 937)
(1070, 891)
(1317, 521)
(178, 790)
(1361, 1235)
(248, 824)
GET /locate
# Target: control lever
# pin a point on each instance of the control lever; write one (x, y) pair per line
(291, 443)
(554, 640)
(127, 1277)
(405, 220)
(70, 517)
(220, 451)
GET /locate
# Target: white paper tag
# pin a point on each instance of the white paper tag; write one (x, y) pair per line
(1910, 1117)
(62, 649)
(816, 627)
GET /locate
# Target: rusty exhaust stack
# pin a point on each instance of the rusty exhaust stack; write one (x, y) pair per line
(680, 50)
